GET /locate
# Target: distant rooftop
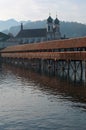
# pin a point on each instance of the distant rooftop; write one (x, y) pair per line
(32, 33)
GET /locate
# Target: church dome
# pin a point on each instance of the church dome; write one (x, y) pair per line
(56, 21)
(49, 20)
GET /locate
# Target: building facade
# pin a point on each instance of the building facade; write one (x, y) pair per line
(51, 32)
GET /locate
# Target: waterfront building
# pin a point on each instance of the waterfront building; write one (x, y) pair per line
(51, 32)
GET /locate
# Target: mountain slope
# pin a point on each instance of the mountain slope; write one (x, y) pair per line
(70, 29)
(7, 24)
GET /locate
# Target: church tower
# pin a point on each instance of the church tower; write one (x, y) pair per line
(49, 28)
(57, 34)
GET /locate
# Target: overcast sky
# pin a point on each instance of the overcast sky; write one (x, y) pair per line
(66, 10)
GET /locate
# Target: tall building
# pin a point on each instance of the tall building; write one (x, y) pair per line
(51, 32)
(53, 29)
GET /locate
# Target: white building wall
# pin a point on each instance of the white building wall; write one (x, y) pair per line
(31, 40)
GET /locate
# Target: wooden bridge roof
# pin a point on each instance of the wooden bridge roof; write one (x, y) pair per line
(56, 44)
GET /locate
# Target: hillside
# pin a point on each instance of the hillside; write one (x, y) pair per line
(70, 29)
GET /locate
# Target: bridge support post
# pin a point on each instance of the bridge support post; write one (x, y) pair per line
(0, 59)
(81, 62)
(68, 68)
(54, 66)
(85, 70)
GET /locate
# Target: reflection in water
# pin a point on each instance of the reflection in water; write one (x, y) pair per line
(51, 85)
(31, 101)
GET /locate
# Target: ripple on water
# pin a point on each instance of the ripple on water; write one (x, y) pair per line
(29, 101)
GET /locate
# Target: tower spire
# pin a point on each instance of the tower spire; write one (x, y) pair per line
(49, 13)
(56, 14)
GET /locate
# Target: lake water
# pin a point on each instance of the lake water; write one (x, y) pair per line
(31, 101)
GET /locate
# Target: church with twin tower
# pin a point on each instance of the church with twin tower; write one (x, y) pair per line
(53, 29)
(51, 32)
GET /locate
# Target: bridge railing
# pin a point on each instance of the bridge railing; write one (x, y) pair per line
(48, 55)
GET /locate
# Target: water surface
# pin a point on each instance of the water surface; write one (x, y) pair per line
(31, 101)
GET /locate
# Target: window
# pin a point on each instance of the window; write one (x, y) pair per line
(48, 28)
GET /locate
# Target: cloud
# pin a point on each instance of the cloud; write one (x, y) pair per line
(68, 10)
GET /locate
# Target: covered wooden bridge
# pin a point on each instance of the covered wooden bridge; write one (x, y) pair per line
(64, 57)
